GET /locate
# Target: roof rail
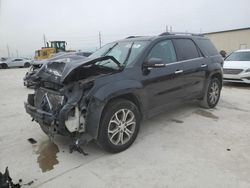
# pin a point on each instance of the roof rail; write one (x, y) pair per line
(180, 33)
(130, 37)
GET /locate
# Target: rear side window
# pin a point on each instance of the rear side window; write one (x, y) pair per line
(207, 47)
(185, 49)
(163, 50)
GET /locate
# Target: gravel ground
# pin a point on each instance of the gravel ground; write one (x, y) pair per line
(185, 147)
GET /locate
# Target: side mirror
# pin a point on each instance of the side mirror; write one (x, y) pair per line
(154, 63)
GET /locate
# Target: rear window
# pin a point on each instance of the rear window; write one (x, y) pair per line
(185, 49)
(207, 47)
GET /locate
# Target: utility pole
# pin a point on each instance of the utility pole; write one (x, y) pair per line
(8, 50)
(100, 40)
(171, 28)
(44, 40)
(166, 28)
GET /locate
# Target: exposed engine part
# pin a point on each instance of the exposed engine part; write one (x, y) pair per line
(76, 121)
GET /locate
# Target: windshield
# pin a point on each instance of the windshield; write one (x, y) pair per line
(239, 56)
(124, 52)
(102, 51)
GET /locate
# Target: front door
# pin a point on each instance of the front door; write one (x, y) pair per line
(164, 85)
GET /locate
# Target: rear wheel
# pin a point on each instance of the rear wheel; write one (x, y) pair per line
(212, 95)
(26, 65)
(119, 125)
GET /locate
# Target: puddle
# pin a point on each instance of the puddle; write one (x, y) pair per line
(206, 114)
(47, 158)
(177, 121)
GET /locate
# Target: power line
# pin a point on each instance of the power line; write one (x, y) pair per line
(8, 50)
(100, 40)
(44, 40)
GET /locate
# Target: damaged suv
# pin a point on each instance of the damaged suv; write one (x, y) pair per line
(105, 96)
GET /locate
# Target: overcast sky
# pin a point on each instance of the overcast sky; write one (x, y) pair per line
(23, 22)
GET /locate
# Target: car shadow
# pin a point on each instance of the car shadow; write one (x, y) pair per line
(148, 126)
(236, 85)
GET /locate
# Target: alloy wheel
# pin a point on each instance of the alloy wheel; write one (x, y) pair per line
(214, 93)
(121, 127)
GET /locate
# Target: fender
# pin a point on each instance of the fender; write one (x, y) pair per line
(103, 95)
(217, 69)
(114, 89)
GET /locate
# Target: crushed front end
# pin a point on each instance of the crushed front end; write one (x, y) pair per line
(63, 102)
(59, 110)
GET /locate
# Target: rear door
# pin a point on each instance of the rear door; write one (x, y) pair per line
(194, 66)
(164, 85)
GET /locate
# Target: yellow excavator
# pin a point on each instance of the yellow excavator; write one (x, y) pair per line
(51, 48)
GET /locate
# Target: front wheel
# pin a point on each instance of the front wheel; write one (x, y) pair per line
(119, 125)
(212, 95)
(5, 66)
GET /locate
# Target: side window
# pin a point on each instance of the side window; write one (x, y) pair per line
(207, 47)
(185, 49)
(163, 50)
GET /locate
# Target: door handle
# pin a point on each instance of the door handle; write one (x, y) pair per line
(203, 65)
(178, 71)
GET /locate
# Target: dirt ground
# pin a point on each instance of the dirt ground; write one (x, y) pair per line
(185, 147)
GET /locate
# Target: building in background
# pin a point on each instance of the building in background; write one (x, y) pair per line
(230, 40)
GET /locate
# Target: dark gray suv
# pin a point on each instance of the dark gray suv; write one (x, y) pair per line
(105, 96)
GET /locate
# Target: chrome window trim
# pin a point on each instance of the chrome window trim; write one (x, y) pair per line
(177, 62)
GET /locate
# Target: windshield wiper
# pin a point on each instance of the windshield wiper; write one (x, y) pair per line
(103, 59)
(109, 49)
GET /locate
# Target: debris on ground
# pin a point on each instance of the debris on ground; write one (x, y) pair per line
(29, 183)
(6, 180)
(32, 140)
(177, 121)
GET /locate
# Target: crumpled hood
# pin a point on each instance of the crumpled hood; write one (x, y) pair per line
(58, 71)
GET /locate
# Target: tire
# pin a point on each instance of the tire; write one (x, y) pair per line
(212, 94)
(26, 65)
(111, 135)
(4, 66)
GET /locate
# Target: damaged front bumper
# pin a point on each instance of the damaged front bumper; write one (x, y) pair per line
(39, 115)
(49, 122)
(56, 113)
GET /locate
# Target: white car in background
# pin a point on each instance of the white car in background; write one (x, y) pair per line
(237, 67)
(17, 62)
